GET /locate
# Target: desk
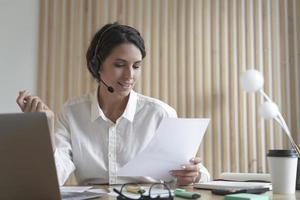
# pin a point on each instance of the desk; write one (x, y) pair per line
(207, 195)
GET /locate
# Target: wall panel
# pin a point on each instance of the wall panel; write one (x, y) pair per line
(196, 51)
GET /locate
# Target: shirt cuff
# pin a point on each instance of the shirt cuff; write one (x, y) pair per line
(64, 167)
(204, 174)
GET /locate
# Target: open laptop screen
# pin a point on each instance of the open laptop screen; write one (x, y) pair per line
(27, 167)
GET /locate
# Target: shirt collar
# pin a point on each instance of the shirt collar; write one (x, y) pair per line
(130, 109)
(96, 111)
(128, 113)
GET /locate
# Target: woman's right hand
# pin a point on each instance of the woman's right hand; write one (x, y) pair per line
(29, 103)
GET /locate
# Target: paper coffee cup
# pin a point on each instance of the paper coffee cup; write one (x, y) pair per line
(283, 169)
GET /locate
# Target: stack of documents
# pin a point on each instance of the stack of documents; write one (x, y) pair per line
(238, 181)
(231, 185)
(80, 192)
(258, 177)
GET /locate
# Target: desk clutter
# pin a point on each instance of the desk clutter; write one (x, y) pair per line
(239, 186)
(133, 191)
(155, 191)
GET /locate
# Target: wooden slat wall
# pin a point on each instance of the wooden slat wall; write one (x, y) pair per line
(196, 51)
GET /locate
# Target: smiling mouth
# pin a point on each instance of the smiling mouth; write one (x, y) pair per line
(125, 85)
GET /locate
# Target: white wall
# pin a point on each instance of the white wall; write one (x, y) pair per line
(18, 50)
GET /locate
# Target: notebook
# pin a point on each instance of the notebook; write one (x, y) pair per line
(237, 181)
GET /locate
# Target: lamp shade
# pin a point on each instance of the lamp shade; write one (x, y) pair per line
(268, 110)
(252, 80)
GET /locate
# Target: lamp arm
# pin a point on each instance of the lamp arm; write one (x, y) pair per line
(287, 132)
(280, 120)
(265, 95)
(284, 126)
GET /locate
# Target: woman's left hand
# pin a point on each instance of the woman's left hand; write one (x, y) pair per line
(189, 172)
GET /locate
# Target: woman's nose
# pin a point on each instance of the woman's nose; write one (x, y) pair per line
(129, 72)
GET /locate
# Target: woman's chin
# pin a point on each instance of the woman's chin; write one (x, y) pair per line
(124, 91)
(123, 88)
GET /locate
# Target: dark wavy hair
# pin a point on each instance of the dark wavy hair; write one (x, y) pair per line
(106, 39)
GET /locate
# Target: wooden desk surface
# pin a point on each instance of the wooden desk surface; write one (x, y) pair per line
(207, 195)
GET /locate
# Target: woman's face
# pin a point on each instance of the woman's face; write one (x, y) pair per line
(122, 68)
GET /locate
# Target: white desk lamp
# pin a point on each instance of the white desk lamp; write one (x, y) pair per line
(253, 81)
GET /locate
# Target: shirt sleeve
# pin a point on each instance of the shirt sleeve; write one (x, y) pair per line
(204, 174)
(63, 150)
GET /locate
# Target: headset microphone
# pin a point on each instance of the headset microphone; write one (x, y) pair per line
(109, 88)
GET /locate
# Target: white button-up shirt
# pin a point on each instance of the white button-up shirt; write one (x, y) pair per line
(89, 143)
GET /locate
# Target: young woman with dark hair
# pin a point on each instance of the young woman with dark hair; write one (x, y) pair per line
(98, 133)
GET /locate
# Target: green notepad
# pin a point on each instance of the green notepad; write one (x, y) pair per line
(245, 196)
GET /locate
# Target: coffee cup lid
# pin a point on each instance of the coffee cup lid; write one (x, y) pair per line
(282, 153)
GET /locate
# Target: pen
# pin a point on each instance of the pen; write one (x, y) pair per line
(187, 195)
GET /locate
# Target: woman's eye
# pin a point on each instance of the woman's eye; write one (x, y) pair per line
(136, 66)
(119, 64)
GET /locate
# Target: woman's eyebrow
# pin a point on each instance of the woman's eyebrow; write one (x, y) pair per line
(119, 59)
(122, 60)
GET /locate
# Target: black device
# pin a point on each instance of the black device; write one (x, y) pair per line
(235, 191)
(96, 60)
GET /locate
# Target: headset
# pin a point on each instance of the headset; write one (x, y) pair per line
(96, 60)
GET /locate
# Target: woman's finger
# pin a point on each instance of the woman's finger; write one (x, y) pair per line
(184, 173)
(29, 103)
(185, 180)
(34, 104)
(21, 99)
(190, 167)
(39, 106)
(195, 160)
(45, 107)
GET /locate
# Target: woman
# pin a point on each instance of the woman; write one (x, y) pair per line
(98, 133)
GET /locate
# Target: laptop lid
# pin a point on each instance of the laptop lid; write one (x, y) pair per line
(27, 167)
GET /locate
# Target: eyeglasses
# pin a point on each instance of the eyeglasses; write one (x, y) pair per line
(143, 195)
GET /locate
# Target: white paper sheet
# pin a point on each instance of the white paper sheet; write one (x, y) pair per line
(99, 191)
(176, 141)
(78, 189)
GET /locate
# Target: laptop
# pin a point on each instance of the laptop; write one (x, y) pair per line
(27, 167)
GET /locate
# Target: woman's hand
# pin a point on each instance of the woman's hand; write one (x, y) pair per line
(188, 174)
(29, 103)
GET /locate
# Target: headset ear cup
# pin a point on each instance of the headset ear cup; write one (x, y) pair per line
(94, 66)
